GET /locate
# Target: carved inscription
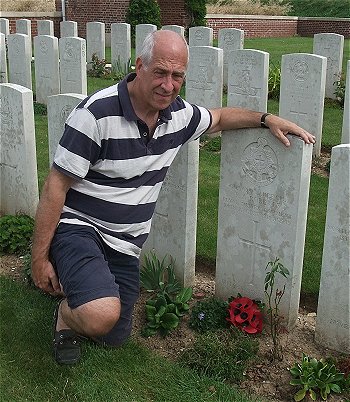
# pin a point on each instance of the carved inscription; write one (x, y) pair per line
(342, 234)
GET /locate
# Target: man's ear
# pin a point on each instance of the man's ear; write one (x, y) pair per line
(138, 65)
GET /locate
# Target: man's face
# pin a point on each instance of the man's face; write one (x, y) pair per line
(161, 80)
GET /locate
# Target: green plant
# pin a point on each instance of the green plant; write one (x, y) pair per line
(120, 70)
(197, 11)
(164, 312)
(15, 233)
(142, 12)
(274, 83)
(274, 297)
(223, 354)
(339, 91)
(98, 67)
(159, 276)
(40, 109)
(209, 315)
(316, 375)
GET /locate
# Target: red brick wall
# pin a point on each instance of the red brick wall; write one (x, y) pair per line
(173, 12)
(56, 23)
(310, 26)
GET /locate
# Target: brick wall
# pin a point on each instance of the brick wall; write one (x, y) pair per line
(173, 12)
(310, 26)
(33, 17)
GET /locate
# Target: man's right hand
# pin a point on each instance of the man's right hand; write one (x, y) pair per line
(45, 278)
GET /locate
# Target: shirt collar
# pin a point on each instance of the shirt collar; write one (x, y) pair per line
(128, 110)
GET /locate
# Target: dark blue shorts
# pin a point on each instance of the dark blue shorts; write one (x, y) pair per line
(88, 269)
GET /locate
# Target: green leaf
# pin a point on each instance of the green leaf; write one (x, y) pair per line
(335, 388)
(150, 312)
(296, 381)
(170, 321)
(300, 395)
(295, 371)
(312, 394)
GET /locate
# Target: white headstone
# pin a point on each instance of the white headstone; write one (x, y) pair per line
(204, 76)
(229, 39)
(263, 199)
(302, 92)
(68, 28)
(45, 27)
(141, 31)
(248, 76)
(331, 46)
(175, 28)
(3, 60)
(47, 79)
(333, 310)
(95, 41)
(5, 26)
(19, 182)
(72, 52)
(121, 46)
(24, 26)
(58, 109)
(19, 60)
(200, 36)
(345, 138)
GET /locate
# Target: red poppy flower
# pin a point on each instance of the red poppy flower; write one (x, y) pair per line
(245, 314)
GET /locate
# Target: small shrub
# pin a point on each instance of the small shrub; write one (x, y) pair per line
(119, 71)
(197, 11)
(16, 233)
(223, 355)
(40, 109)
(339, 91)
(212, 144)
(98, 68)
(209, 315)
(142, 12)
(274, 83)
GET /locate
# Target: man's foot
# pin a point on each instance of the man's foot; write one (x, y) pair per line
(66, 342)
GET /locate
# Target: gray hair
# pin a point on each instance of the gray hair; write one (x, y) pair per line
(146, 52)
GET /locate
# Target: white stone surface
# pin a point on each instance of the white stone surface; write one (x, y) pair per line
(303, 78)
(58, 109)
(24, 26)
(18, 171)
(345, 138)
(73, 77)
(175, 28)
(200, 36)
(5, 26)
(229, 39)
(331, 46)
(141, 31)
(95, 41)
(248, 75)
(121, 46)
(68, 28)
(19, 60)
(333, 311)
(3, 60)
(47, 79)
(45, 27)
(263, 200)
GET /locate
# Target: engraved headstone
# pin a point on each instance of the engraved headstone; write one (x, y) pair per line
(263, 197)
(68, 28)
(72, 52)
(333, 310)
(3, 61)
(24, 26)
(95, 41)
(5, 26)
(47, 79)
(345, 138)
(248, 76)
(175, 28)
(18, 171)
(19, 60)
(200, 36)
(121, 47)
(59, 108)
(302, 92)
(141, 31)
(45, 27)
(229, 39)
(331, 46)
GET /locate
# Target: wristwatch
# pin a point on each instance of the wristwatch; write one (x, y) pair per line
(262, 120)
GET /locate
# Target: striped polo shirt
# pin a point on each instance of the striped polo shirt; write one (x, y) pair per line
(119, 171)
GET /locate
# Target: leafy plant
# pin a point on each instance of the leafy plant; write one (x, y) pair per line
(40, 109)
(223, 354)
(142, 12)
(316, 375)
(164, 312)
(120, 70)
(197, 11)
(274, 298)
(97, 67)
(159, 276)
(274, 83)
(339, 91)
(209, 315)
(16, 233)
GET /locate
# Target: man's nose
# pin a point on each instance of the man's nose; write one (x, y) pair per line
(167, 83)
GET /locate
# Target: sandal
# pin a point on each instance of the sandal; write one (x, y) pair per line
(66, 343)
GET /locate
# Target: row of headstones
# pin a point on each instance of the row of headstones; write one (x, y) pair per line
(329, 45)
(263, 189)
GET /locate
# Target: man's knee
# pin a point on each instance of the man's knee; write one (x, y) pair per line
(98, 316)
